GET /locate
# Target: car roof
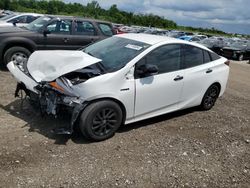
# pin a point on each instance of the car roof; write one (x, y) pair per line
(32, 14)
(148, 38)
(154, 39)
(76, 17)
(23, 14)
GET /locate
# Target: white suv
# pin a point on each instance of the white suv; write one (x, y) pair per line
(122, 79)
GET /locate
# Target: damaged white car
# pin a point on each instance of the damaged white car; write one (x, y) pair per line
(122, 79)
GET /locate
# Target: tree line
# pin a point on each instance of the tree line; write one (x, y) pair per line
(93, 10)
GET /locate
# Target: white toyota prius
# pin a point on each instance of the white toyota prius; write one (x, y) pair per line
(120, 80)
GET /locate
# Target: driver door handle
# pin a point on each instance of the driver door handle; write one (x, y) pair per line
(177, 78)
(209, 71)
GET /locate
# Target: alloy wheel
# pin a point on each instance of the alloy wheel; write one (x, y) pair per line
(104, 121)
(211, 97)
(19, 58)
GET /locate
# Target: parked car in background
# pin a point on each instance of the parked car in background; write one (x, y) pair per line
(238, 50)
(18, 19)
(121, 80)
(213, 44)
(8, 16)
(202, 37)
(4, 13)
(190, 38)
(50, 33)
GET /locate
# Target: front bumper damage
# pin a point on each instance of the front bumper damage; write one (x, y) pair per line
(52, 102)
(43, 97)
(49, 83)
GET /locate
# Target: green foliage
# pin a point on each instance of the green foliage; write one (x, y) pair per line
(93, 10)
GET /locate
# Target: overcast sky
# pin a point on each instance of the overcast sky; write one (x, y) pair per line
(227, 15)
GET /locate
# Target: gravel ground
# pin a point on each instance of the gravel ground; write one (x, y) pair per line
(190, 148)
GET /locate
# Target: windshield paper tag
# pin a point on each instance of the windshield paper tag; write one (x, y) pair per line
(134, 47)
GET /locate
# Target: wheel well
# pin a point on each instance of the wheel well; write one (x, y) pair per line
(17, 44)
(217, 84)
(124, 113)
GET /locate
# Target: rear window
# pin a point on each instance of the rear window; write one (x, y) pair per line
(106, 29)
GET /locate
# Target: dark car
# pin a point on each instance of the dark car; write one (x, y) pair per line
(238, 50)
(50, 33)
(213, 44)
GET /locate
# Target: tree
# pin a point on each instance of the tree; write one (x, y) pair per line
(5, 4)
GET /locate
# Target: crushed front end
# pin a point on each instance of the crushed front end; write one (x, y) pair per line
(51, 100)
(51, 87)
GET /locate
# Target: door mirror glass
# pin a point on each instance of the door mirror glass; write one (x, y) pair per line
(146, 70)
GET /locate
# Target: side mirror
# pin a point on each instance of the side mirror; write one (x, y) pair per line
(147, 70)
(14, 23)
(46, 32)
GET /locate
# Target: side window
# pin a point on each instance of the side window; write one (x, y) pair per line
(206, 56)
(84, 28)
(193, 56)
(106, 29)
(166, 58)
(20, 19)
(214, 56)
(60, 27)
(31, 18)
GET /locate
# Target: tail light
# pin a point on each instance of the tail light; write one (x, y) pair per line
(227, 63)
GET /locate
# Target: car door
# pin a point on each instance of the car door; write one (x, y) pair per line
(59, 35)
(84, 33)
(160, 93)
(199, 70)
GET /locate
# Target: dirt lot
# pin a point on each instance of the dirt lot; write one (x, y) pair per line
(184, 149)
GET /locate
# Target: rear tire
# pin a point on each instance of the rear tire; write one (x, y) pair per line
(100, 120)
(16, 53)
(210, 97)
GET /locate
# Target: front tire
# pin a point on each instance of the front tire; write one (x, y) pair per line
(100, 120)
(16, 53)
(210, 97)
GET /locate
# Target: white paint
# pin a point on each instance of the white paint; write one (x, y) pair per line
(142, 98)
(48, 65)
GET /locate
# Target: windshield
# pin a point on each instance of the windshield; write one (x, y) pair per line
(38, 23)
(115, 52)
(7, 17)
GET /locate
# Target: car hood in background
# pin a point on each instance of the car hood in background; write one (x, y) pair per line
(49, 65)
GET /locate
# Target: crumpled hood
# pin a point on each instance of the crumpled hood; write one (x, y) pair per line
(51, 64)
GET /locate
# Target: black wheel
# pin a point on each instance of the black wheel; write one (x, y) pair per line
(100, 120)
(18, 54)
(241, 57)
(210, 97)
